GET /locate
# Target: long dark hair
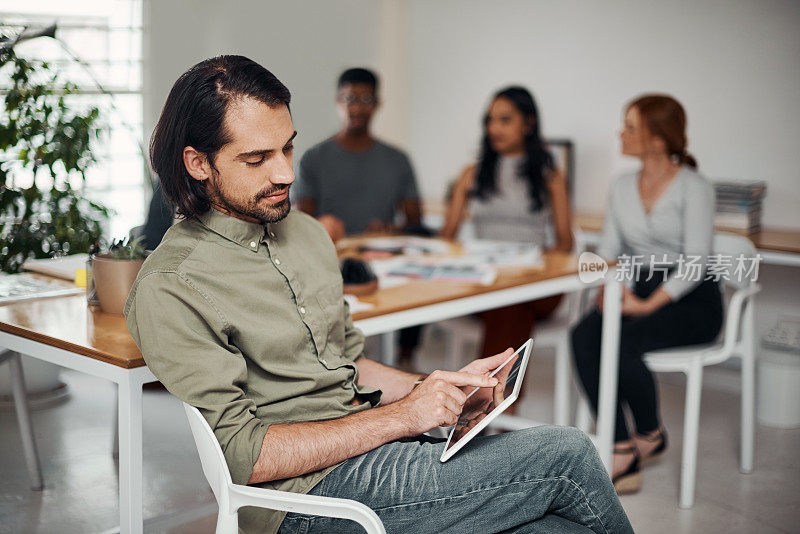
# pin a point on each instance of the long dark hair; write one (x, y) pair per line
(665, 118)
(538, 161)
(194, 115)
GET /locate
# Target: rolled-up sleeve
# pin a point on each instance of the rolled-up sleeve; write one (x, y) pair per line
(698, 235)
(185, 342)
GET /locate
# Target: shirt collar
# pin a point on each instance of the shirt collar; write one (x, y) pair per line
(240, 232)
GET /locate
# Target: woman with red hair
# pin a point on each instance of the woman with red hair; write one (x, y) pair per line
(663, 214)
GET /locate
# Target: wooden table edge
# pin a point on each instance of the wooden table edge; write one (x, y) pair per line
(71, 347)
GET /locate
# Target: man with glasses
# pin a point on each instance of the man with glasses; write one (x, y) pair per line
(352, 182)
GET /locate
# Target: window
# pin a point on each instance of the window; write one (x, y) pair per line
(106, 35)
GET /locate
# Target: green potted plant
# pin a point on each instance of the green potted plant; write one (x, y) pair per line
(41, 134)
(115, 271)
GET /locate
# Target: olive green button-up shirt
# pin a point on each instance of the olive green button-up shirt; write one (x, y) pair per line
(247, 322)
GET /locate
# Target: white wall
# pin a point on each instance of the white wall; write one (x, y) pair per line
(306, 44)
(735, 65)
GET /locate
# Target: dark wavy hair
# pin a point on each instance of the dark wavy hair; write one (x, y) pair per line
(194, 115)
(534, 166)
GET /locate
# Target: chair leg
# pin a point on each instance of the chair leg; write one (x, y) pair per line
(748, 391)
(452, 350)
(227, 523)
(389, 348)
(694, 383)
(583, 419)
(562, 383)
(25, 425)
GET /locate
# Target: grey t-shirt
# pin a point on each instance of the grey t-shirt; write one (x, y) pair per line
(358, 188)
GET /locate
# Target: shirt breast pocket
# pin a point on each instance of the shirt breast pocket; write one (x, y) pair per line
(332, 303)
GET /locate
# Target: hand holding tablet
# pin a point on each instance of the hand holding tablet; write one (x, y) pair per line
(484, 404)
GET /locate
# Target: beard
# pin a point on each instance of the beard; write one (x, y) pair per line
(251, 208)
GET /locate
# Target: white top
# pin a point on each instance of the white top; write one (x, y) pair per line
(506, 214)
(681, 223)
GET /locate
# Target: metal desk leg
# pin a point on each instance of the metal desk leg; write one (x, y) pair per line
(24, 419)
(115, 425)
(130, 456)
(609, 369)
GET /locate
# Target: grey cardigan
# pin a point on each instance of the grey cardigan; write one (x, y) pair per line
(681, 223)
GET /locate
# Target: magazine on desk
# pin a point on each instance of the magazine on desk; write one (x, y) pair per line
(16, 287)
(452, 270)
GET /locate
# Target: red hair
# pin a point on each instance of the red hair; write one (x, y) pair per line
(665, 118)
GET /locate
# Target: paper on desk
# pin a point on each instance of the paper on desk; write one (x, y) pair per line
(15, 287)
(356, 305)
(407, 245)
(459, 269)
(62, 267)
(503, 253)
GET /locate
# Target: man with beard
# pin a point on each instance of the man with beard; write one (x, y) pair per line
(239, 312)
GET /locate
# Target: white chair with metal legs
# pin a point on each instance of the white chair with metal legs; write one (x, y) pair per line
(24, 418)
(230, 497)
(737, 340)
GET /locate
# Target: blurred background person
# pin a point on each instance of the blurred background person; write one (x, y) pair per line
(666, 207)
(514, 193)
(352, 182)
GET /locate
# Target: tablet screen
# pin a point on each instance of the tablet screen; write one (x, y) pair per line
(481, 401)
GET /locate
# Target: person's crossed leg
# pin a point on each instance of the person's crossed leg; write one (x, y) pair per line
(536, 480)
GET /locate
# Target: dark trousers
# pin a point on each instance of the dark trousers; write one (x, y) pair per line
(694, 319)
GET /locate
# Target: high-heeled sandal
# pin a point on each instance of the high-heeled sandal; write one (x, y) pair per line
(630, 480)
(658, 451)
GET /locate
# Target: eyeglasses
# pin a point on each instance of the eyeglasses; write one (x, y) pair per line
(352, 99)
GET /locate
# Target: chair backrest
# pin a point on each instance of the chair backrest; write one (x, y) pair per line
(214, 465)
(733, 248)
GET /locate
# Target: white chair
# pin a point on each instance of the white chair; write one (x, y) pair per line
(24, 418)
(737, 339)
(230, 497)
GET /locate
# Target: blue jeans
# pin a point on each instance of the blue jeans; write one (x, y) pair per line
(543, 479)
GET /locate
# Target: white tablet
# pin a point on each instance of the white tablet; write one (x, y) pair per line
(479, 412)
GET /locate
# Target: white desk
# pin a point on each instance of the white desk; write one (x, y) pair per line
(64, 332)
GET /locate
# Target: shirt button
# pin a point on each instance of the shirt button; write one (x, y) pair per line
(302, 310)
(277, 261)
(271, 233)
(253, 244)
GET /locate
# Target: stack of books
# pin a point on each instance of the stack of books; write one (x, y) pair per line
(739, 205)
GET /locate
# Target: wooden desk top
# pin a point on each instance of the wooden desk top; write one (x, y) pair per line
(769, 239)
(68, 323)
(422, 293)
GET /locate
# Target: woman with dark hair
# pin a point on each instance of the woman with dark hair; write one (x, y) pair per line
(514, 193)
(662, 214)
